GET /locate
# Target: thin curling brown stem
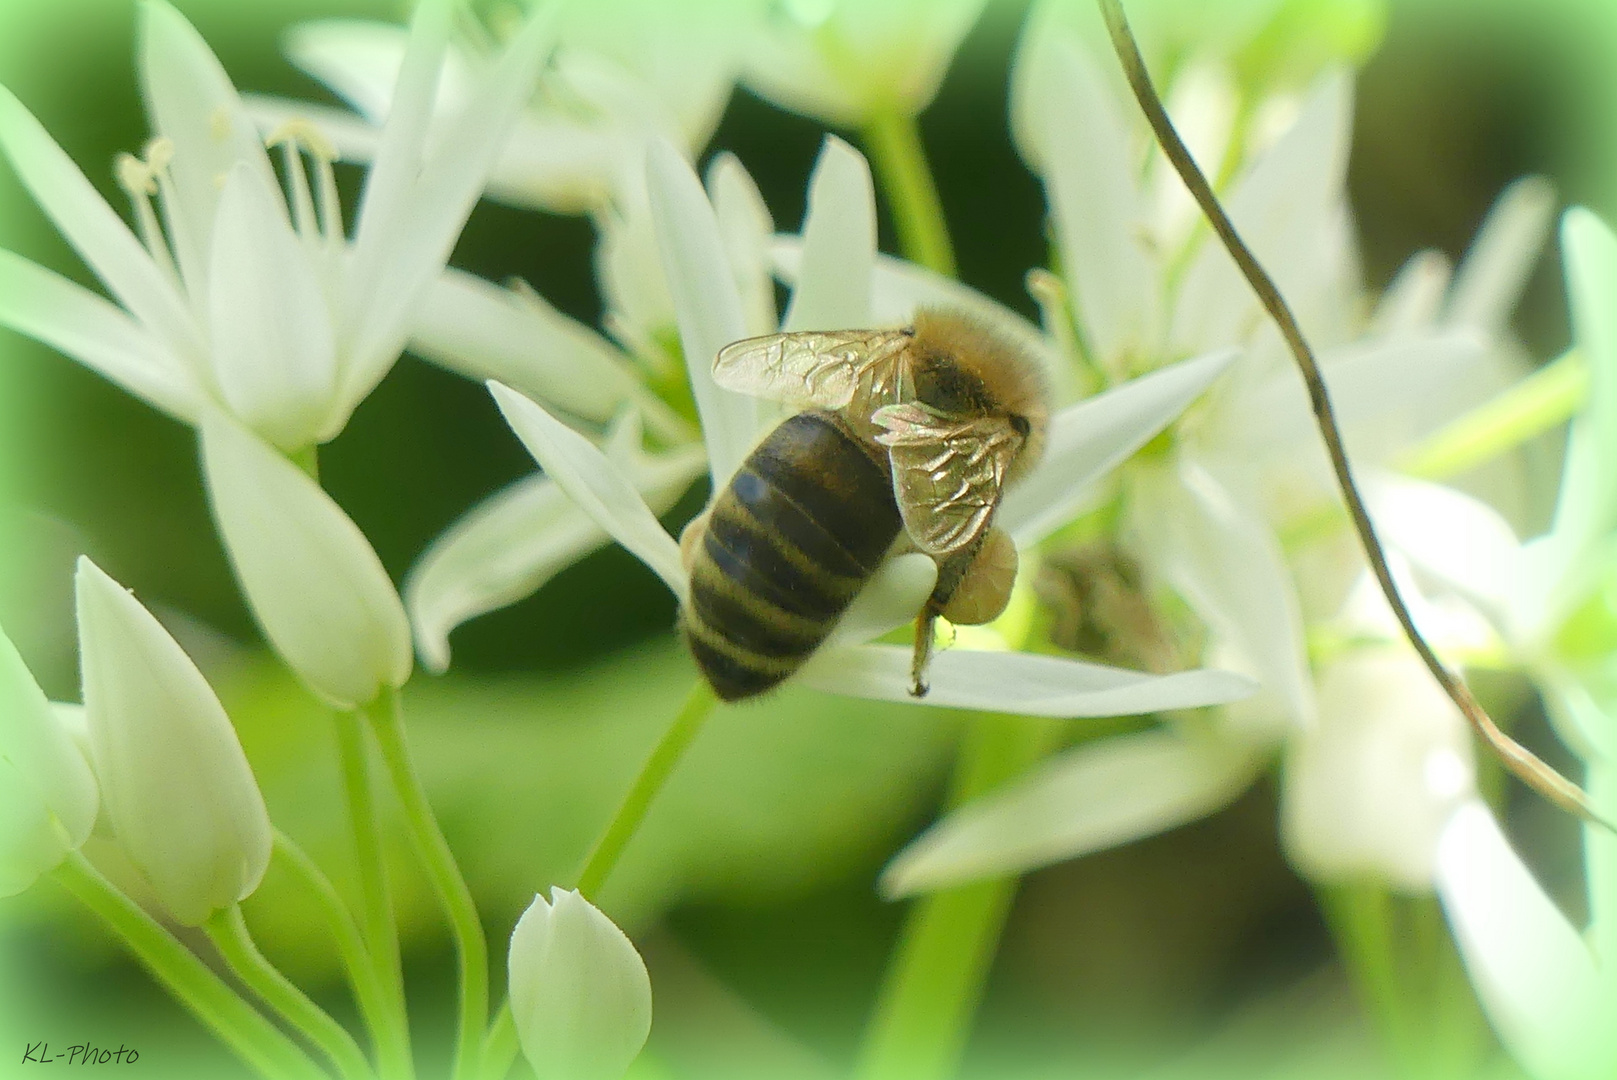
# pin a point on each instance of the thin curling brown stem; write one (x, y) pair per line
(1517, 758)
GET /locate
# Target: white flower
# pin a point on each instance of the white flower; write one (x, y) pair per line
(838, 280)
(313, 583)
(580, 995)
(623, 71)
(844, 61)
(48, 797)
(1203, 518)
(177, 788)
(228, 297)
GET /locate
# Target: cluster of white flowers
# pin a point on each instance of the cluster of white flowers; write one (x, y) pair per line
(245, 310)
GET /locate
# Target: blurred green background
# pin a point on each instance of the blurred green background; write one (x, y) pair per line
(751, 889)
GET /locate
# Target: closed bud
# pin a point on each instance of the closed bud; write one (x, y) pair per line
(178, 791)
(48, 796)
(579, 991)
(317, 589)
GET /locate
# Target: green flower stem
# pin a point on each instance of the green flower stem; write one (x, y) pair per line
(238, 1025)
(376, 907)
(228, 932)
(653, 774)
(500, 1046)
(947, 944)
(893, 137)
(1549, 396)
(389, 1027)
(1412, 984)
(438, 860)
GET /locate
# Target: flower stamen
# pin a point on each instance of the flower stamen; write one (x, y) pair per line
(141, 178)
(319, 213)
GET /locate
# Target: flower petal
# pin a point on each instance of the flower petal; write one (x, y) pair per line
(404, 240)
(75, 321)
(889, 600)
(839, 244)
(598, 486)
(484, 332)
(358, 59)
(1089, 439)
(1412, 302)
(1440, 374)
(509, 545)
(1090, 180)
(403, 138)
(1446, 533)
(1228, 566)
(178, 790)
(315, 586)
(96, 233)
(706, 302)
(747, 229)
(191, 102)
(1534, 975)
(1489, 280)
(273, 347)
(1093, 797)
(1017, 682)
(1280, 207)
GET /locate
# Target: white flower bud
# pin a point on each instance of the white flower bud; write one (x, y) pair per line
(48, 796)
(179, 793)
(579, 991)
(1370, 787)
(317, 589)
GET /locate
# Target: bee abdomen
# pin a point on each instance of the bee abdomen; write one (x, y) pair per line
(786, 548)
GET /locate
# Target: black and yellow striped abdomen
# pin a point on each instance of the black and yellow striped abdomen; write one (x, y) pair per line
(786, 548)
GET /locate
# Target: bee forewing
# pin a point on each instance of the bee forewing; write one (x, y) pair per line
(811, 367)
(948, 472)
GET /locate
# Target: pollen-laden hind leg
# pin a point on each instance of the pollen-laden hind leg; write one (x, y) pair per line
(973, 587)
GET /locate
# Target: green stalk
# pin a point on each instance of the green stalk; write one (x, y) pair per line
(947, 943)
(388, 1026)
(500, 1043)
(228, 932)
(439, 862)
(1402, 963)
(238, 1025)
(1359, 916)
(500, 1046)
(653, 775)
(893, 137)
(376, 907)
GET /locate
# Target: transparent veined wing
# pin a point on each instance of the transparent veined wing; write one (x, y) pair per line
(809, 367)
(948, 472)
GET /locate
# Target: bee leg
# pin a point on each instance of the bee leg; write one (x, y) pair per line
(951, 572)
(925, 624)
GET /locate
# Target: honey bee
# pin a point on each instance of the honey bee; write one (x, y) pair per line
(908, 439)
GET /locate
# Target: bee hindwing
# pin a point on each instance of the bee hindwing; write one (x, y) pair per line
(810, 367)
(948, 472)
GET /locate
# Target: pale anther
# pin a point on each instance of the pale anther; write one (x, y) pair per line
(305, 135)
